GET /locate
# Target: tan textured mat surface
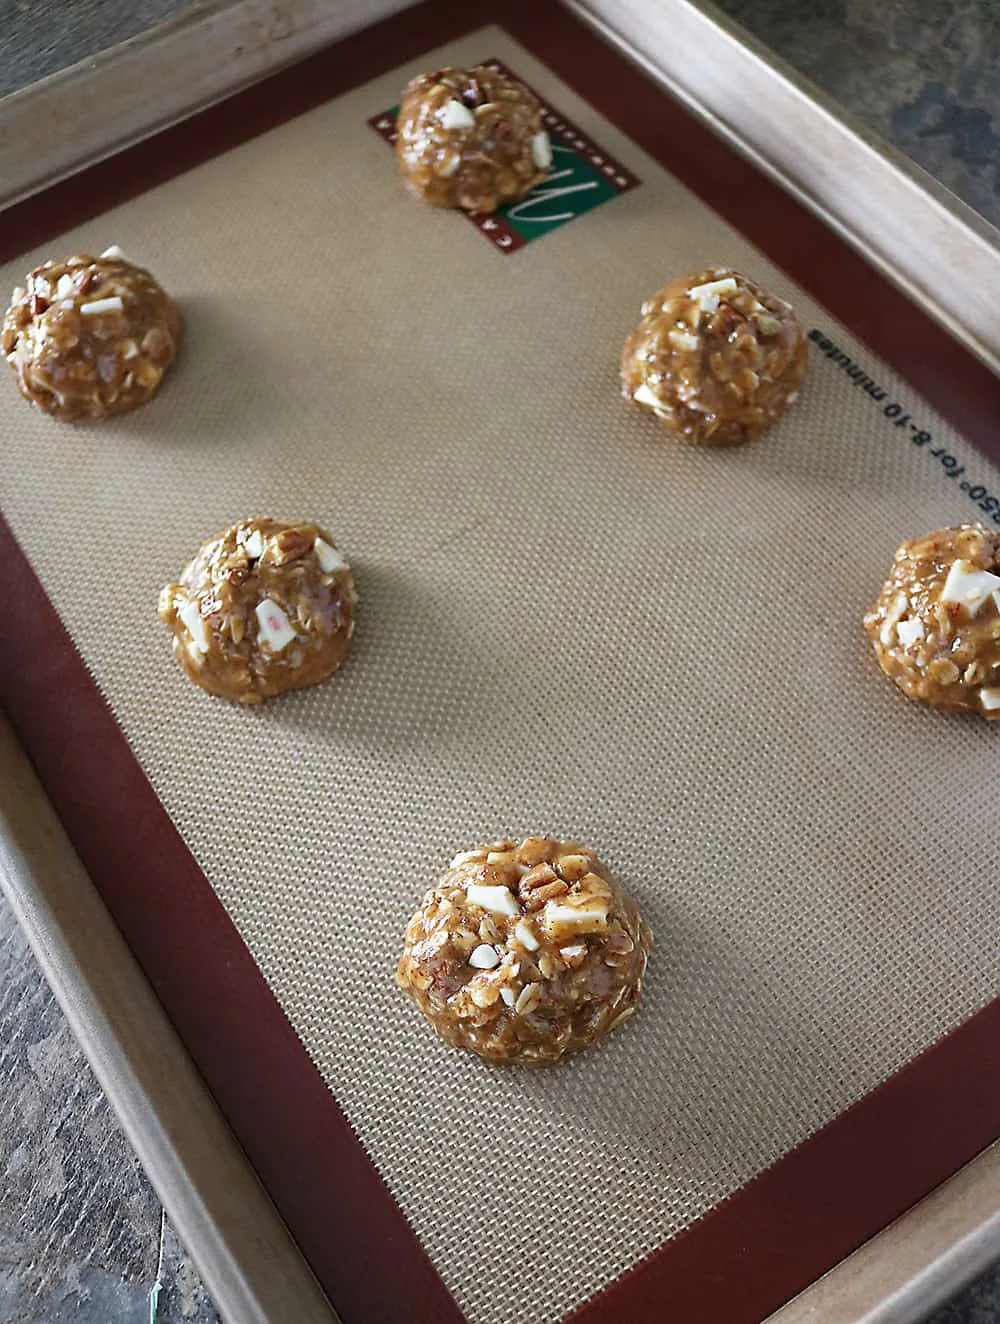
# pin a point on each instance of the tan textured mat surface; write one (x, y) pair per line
(568, 622)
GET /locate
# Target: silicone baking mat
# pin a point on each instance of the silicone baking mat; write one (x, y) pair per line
(568, 623)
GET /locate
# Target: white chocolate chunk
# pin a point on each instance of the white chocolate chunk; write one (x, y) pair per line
(449, 166)
(508, 995)
(97, 306)
(484, 957)
(273, 627)
(253, 544)
(643, 395)
(559, 919)
(115, 253)
(453, 115)
(571, 953)
(541, 150)
(196, 625)
(499, 900)
(908, 632)
(707, 296)
(684, 339)
(64, 286)
(990, 698)
(968, 586)
(887, 634)
(525, 935)
(465, 857)
(330, 560)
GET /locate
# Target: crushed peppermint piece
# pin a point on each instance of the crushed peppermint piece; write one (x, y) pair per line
(330, 560)
(273, 627)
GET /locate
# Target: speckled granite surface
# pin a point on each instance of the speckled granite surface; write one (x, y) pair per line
(925, 74)
(39, 37)
(80, 1227)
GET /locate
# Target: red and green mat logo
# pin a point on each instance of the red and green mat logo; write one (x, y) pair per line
(583, 176)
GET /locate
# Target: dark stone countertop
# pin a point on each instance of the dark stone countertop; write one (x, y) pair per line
(80, 1226)
(82, 1235)
(925, 74)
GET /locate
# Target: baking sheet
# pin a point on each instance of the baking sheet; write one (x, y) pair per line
(568, 623)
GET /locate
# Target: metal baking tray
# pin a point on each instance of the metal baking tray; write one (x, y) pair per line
(124, 107)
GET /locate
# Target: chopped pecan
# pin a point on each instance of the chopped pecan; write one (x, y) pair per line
(291, 544)
(156, 343)
(725, 321)
(539, 885)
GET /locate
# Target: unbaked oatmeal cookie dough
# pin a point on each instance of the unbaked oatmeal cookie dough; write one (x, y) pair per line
(90, 337)
(471, 138)
(525, 951)
(716, 358)
(265, 607)
(936, 625)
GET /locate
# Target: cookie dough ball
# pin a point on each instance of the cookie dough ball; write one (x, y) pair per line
(265, 607)
(525, 952)
(471, 138)
(716, 358)
(90, 337)
(936, 625)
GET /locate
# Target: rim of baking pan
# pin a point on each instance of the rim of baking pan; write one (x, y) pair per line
(246, 1255)
(791, 1223)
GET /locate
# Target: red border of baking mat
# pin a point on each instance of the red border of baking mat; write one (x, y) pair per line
(794, 1221)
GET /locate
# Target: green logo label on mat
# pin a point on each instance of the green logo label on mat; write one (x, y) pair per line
(582, 177)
